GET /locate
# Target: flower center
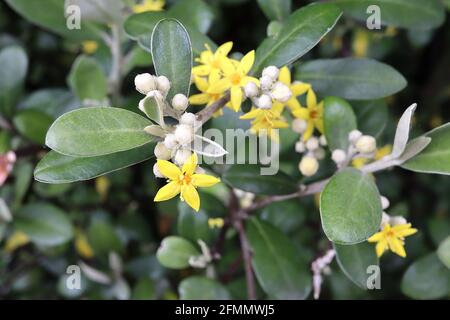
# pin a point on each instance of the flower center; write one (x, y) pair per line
(313, 114)
(390, 233)
(185, 179)
(215, 63)
(235, 78)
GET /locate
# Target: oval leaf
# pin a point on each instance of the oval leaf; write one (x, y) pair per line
(45, 224)
(174, 252)
(372, 116)
(202, 288)
(33, 124)
(172, 55)
(249, 178)
(351, 78)
(414, 14)
(89, 132)
(275, 261)
(444, 252)
(350, 207)
(338, 120)
(354, 261)
(435, 158)
(58, 168)
(301, 31)
(275, 9)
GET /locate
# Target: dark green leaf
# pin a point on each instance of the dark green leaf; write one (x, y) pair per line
(97, 131)
(104, 238)
(350, 207)
(88, 80)
(372, 116)
(194, 13)
(351, 78)
(301, 31)
(338, 120)
(174, 252)
(202, 288)
(33, 124)
(275, 9)
(287, 215)
(443, 252)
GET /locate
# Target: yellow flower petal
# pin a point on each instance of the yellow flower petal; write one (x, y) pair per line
(251, 114)
(220, 86)
(299, 88)
(285, 76)
(309, 130)
(201, 98)
(227, 66)
(16, 240)
(376, 237)
(396, 246)
(293, 104)
(168, 169)
(204, 180)
(201, 71)
(190, 165)
(247, 62)
(381, 247)
(236, 98)
(311, 99)
(224, 49)
(167, 192)
(301, 113)
(190, 195)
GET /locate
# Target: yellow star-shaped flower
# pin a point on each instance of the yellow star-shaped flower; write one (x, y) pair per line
(312, 114)
(297, 88)
(392, 238)
(183, 182)
(265, 120)
(149, 5)
(211, 63)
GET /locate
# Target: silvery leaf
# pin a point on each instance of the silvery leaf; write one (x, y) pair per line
(94, 274)
(155, 130)
(115, 263)
(5, 213)
(207, 147)
(153, 106)
(402, 132)
(413, 148)
(121, 290)
(105, 11)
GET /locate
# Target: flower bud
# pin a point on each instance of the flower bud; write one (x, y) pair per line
(264, 102)
(162, 152)
(397, 220)
(188, 119)
(251, 90)
(281, 92)
(299, 125)
(170, 141)
(312, 144)
(338, 156)
(145, 83)
(354, 135)
(366, 144)
(319, 154)
(323, 140)
(184, 134)
(265, 82)
(308, 166)
(163, 84)
(384, 203)
(271, 72)
(180, 102)
(300, 147)
(385, 218)
(156, 171)
(181, 156)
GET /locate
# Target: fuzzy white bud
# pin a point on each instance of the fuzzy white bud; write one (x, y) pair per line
(354, 135)
(338, 156)
(384, 203)
(312, 144)
(323, 141)
(299, 125)
(180, 102)
(163, 84)
(397, 220)
(184, 134)
(366, 144)
(181, 156)
(251, 90)
(385, 218)
(308, 166)
(266, 83)
(271, 72)
(162, 152)
(145, 83)
(156, 171)
(281, 92)
(319, 154)
(188, 119)
(264, 102)
(170, 141)
(300, 147)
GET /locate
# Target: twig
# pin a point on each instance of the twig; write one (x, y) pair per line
(205, 114)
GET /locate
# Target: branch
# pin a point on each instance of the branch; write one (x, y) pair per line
(205, 114)
(247, 256)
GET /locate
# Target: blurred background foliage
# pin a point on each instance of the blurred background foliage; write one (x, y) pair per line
(44, 228)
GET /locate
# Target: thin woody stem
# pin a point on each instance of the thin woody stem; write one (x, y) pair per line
(206, 114)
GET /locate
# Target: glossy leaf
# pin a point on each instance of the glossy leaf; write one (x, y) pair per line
(52, 101)
(372, 116)
(104, 238)
(202, 288)
(338, 120)
(275, 9)
(174, 252)
(104, 11)
(278, 269)
(350, 207)
(426, 278)
(194, 13)
(301, 31)
(44, 224)
(414, 14)
(435, 158)
(88, 80)
(96, 131)
(354, 261)
(57, 168)
(351, 78)
(33, 125)
(287, 216)
(249, 178)
(172, 55)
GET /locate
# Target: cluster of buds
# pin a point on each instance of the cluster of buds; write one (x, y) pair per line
(204, 259)
(363, 146)
(313, 152)
(245, 198)
(388, 219)
(270, 90)
(146, 83)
